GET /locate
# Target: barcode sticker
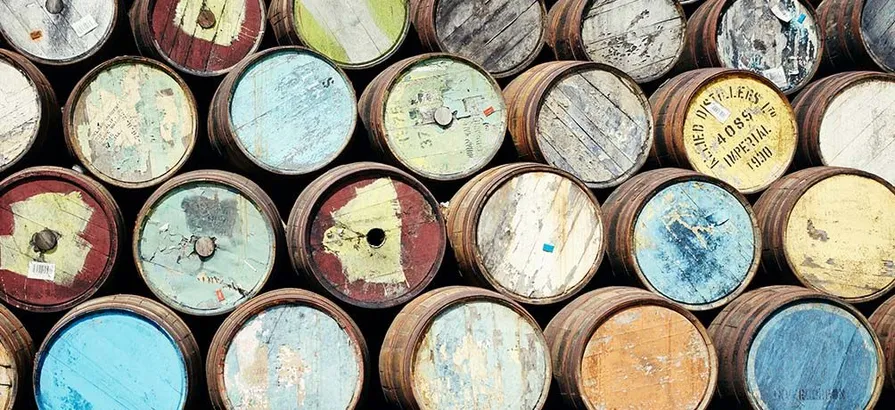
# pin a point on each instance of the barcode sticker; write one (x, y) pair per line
(41, 271)
(718, 111)
(84, 26)
(783, 10)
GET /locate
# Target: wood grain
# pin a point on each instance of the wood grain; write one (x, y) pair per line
(132, 122)
(643, 38)
(20, 104)
(878, 31)
(227, 209)
(16, 360)
(883, 322)
(752, 37)
(74, 34)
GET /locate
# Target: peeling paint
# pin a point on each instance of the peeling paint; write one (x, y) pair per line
(20, 105)
(229, 16)
(8, 377)
(59, 37)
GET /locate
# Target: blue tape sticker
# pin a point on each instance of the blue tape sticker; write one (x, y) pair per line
(801, 18)
(549, 248)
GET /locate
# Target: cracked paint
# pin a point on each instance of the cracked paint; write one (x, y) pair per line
(20, 105)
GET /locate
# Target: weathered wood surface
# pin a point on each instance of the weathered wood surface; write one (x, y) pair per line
(883, 322)
(463, 348)
(626, 348)
(779, 346)
(878, 32)
(848, 120)
(16, 357)
(75, 33)
(362, 34)
(538, 236)
(834, 228)
(502, 36)
(121, 351)
(59, 238)
(440, 116)
(690, 238)
(287, 349)
(131, 122)
(286, 111)
(200, 37)
(368, 234)
(229, 215)
(643, 38)
(20, 105)
(736, 127)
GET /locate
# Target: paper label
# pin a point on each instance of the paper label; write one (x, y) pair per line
(783, 9)
(718, 111)
(84, 26)
(41, 271)
(777, 75)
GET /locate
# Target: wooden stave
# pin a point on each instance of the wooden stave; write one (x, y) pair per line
(242, 185)
(148, 309)
(525, 93)
(409, 327)
(701, 44)
(735, 327)
(883, 322)
(569, 332)
(50, 112)
(105, 199)
(773, 211)
(810, 107)
(422, 14)
(464, 212)
(69, 129)
(298, 226)
(16, 339)
(281, 17)
(221, 133)
(844, 46)
(371, 109)
(214, 365)
(623, 207)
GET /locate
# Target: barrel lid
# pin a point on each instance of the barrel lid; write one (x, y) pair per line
(285, 340)
(59, 238)
(72, 34)
(131, 121)
(740, 129)
(373, 236)
(789, 367)
(778, 39)
(441, 147)
(876, 25)
(205, 38)
(291, 110)
(206, 241)
(365, 34)
(22, 109)
(539, 235)
(696, 241)
(135, 359)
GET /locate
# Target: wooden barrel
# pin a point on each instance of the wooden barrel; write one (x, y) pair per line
(60, 234)
(831, 229)
(203, 38)
(502, 36)
(787, 347)
(355, 34)
(16, 356)
(847, 120)
(368, 234)
(532, 232)
(626, 348)
(730, 124)
(287, 349)
(779, 39)
(686, 236)
(28, 110)
(206, 241)
(464, 348)
(858, 34)
(285, 111)
(440, 116)
(121, 351)
(588, 119)
(643, 38)
(883, 322)
(57, 32)
(131, 121)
